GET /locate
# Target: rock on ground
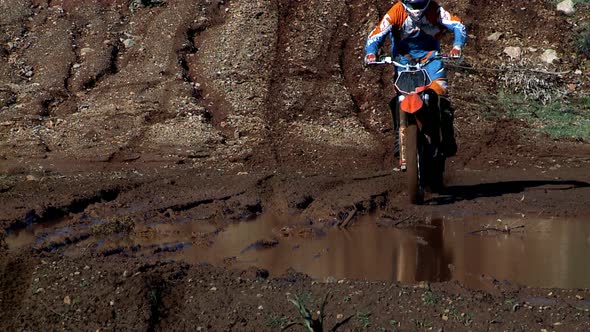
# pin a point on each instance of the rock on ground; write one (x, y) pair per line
(513, 52)
(567, 7)
(549, 56)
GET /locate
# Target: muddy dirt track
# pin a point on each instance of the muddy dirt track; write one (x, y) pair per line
(132, 141)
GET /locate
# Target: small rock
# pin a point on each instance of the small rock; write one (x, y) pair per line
(125, 274)
(128, 43)
(578, 72)
(579, 297)
(549, 56)
(29, 73)
(514, 52)
(260, 307)
(330, 280)
(31, 178)
(86, 267)
(213, 289)
(515, 307)
(85, 51)
(254, 273)
(445, 318)
(67, 300)
(76, 65)
(339, 316)
(495, 36)
(423, 285)
(112, 303)
(566, 7)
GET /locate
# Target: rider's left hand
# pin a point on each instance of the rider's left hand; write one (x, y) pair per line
(370, 58)
(455, 52)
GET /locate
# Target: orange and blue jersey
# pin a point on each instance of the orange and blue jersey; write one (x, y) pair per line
(418, 39)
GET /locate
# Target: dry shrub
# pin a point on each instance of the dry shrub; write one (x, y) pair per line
(114, 225)
(519, 78)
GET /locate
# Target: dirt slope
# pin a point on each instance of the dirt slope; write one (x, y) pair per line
(251, 82)
(220, 111)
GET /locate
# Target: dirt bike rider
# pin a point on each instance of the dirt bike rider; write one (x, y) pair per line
(414, 27)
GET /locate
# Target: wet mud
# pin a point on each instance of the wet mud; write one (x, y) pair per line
(546, 253)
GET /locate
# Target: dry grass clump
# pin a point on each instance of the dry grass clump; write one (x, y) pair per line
(115, 225)
(533, 85)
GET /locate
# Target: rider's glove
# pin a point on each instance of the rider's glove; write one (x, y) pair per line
(370, 58)
(455, 52)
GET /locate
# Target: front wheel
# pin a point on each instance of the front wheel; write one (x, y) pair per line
(413, 163)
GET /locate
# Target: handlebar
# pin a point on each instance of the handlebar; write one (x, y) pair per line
(388, 60)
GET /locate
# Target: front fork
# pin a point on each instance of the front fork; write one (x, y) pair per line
(403, 126)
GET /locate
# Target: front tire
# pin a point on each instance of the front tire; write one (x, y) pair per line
(413, 163)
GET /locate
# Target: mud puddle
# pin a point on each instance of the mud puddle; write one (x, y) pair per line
(532, 252)
(539, 253)
(36, 233)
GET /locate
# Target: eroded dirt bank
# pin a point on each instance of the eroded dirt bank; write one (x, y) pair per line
(217, 112)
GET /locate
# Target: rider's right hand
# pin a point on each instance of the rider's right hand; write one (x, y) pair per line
(455, 52)
(370, 58)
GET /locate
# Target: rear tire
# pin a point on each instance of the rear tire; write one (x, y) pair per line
(413, 172)
(438, 169)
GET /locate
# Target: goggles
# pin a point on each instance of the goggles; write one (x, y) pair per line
(417, 6)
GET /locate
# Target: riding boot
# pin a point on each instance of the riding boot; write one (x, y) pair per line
(449, 145)
(396, 144)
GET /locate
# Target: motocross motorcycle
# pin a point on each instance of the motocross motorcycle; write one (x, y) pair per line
(417, 117)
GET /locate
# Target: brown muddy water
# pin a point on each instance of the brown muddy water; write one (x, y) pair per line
(536, 252)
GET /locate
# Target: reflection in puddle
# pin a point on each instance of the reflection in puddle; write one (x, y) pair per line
(546, 253)
(35, 233)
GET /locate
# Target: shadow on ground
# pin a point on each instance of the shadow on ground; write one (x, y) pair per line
(455, 194)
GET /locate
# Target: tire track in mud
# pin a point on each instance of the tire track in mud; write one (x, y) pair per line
(291, 63)
(194, 204)
(334, 61)
(53, 213)
(277, 71)
(196, 36)
(350, 65)
(180, 66)
(111, 69)
(315, 83)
